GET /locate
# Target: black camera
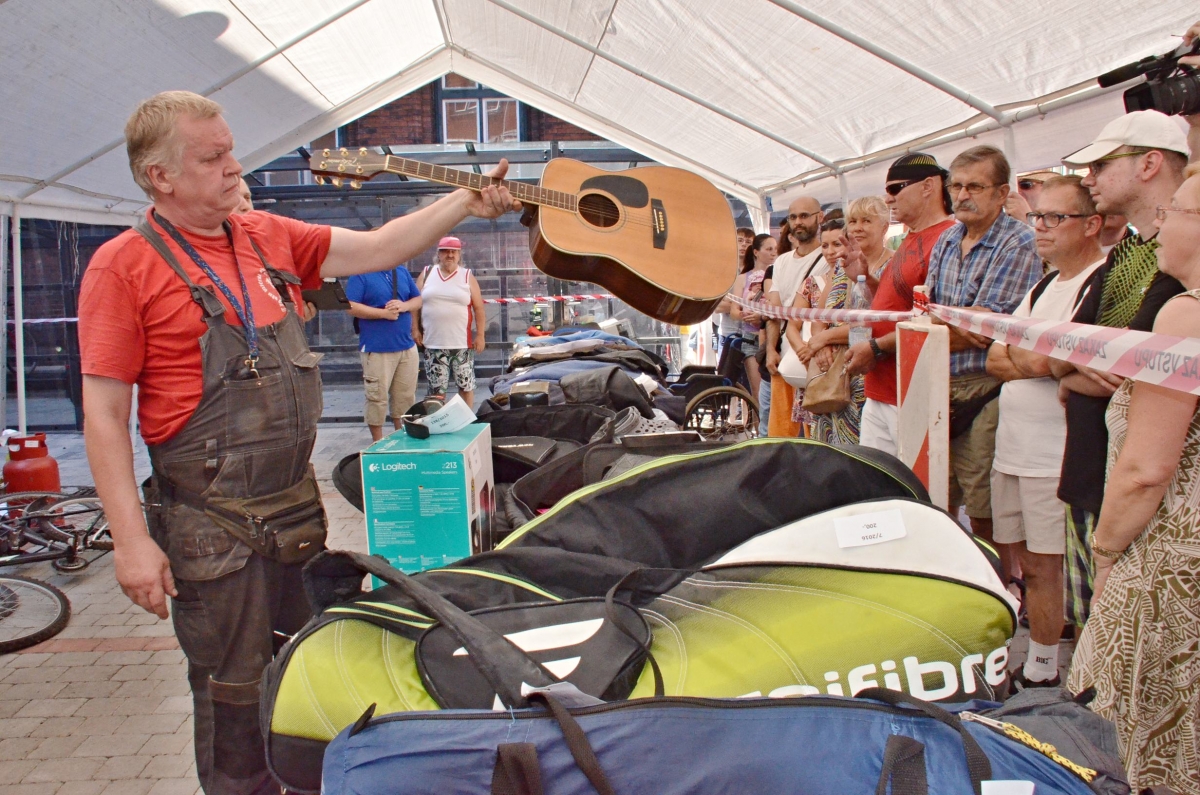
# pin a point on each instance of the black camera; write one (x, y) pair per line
(1169, 88)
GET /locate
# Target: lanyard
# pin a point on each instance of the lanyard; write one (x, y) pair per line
(246, 316)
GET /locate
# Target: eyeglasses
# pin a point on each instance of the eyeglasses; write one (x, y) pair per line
(833, 224)
(1160, 212)
(1097, 165)
(972, 188)
(1051, 220)
(894, 188)
(802, 216)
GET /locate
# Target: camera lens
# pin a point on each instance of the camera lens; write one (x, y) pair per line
(1175, 96)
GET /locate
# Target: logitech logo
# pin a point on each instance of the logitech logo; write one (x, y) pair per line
(391, 467)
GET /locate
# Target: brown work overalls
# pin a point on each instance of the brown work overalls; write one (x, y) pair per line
(249, 437)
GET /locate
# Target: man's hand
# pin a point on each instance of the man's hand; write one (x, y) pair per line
(963, 340)
(417, 336)
(773, 359)
(1017, 207)
(1106, 380)
(493, 201)
(309, 311)
(480, 343)
(861, 359)
(144, 573)
(1191, 60)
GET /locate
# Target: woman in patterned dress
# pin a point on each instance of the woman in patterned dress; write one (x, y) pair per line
(1140, 648)
(867, 220)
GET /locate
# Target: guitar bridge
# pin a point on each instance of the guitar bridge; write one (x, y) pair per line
(658, 222)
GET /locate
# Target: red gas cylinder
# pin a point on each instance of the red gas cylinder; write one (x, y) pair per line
(30, 466)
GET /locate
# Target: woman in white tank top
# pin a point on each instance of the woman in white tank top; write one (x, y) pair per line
(451, 304)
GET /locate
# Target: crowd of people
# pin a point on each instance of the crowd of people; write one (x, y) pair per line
(1083, 482)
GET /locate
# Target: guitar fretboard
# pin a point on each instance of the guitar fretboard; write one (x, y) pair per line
(532, 194)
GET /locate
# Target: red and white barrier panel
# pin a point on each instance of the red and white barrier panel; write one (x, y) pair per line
(1172, 362)
(542, 299)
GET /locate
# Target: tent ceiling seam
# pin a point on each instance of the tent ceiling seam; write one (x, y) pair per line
(599, 42)
(895, 60)
(651, 146)
(283, 55)
(245, 70)
(664, 84)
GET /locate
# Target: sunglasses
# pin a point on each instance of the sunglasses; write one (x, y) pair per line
(894, 188)
(1026, 184)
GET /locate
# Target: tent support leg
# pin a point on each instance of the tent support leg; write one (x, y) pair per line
(19, 319)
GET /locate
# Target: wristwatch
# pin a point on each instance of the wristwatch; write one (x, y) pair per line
(875, 349)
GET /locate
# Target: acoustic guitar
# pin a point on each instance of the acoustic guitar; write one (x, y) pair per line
(661, 239)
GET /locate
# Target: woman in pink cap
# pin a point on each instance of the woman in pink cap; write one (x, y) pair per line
(451, 305)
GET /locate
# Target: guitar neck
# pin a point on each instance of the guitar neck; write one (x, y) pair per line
(531, 194)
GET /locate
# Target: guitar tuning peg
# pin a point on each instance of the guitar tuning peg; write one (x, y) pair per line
(345, 152)
(337, 181)
(355, 184)
(325, 153)
(362, 150)
(319, 179)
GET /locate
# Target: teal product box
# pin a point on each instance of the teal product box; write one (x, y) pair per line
(429, 502)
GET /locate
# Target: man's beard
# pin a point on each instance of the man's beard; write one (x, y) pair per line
(804, 234)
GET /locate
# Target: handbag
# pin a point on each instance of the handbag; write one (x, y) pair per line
(792, 370)
(828, 392)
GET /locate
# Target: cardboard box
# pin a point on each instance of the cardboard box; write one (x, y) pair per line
(429, 502)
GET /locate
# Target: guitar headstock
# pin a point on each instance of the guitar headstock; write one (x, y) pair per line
(353, 166)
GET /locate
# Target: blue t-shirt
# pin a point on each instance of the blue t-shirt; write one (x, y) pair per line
(375, 289)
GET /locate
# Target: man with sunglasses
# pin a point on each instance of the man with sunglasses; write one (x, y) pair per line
(987, 262)
(916, 194)
(1135, 164)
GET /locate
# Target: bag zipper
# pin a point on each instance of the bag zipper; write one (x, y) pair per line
(1018, 734)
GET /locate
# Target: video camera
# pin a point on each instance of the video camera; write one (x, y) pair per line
(1169, 88)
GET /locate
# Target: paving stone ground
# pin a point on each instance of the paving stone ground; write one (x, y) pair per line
(104, 706)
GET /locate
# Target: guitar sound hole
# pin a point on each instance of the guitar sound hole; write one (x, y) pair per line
(599, 210)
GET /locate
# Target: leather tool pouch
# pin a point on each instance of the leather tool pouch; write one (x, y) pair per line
(288, 526)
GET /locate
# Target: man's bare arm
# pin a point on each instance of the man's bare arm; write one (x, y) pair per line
(141, 566)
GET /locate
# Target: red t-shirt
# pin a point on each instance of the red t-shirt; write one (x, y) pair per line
(906, 270)
(139, 324)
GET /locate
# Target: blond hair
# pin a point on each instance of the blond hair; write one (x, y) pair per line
(150, 132)
(865, 206)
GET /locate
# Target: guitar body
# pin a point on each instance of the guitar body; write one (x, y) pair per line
(661, 239)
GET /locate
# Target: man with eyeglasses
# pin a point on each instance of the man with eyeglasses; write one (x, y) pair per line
(916, 194)
(987, 262)
(1135, 164)
(1032, 430)
(790, 271)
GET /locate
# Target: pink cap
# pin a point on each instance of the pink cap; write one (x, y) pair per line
(450, 242)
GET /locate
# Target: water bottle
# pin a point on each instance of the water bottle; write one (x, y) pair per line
(860, 298)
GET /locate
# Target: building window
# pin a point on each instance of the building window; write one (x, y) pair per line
(500, 121)
(458, 81)
(460, 120)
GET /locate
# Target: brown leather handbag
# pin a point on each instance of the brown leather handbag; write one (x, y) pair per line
(828, 392)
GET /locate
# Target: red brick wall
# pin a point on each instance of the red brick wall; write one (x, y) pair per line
(544, 127)
(408, 120)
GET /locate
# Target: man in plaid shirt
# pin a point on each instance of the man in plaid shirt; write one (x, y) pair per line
(989, 262)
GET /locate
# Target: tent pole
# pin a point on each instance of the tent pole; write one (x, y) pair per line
(4, 223)
(19, 318)
(680, 92)
(895, 60)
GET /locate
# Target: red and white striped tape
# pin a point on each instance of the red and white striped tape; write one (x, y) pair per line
(1172, 362)
(542, 299)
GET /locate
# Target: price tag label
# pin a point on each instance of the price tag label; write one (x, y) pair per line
(869, 528)
(1007, 787)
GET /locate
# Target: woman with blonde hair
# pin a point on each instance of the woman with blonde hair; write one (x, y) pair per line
(864, 252)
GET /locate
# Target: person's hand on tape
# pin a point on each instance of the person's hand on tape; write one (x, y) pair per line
(144, 573)
(1107, 381)
(961, 339)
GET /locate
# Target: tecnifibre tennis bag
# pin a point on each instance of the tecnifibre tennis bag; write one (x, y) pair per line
(818, 745)
(730, 564)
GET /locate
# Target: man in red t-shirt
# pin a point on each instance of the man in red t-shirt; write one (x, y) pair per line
(197, 306)
(916, 192)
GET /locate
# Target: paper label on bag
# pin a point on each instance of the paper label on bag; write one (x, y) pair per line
(1007, 788)
(869, 528)
(454, 416)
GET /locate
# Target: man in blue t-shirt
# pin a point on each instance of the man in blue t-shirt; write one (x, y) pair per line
(383, 302)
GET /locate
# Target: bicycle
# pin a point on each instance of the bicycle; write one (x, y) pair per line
(36, 527)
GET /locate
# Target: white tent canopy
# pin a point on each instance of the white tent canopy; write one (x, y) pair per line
(766, 98)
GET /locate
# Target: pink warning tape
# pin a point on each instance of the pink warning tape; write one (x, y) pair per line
(541, 299)
(826, 315)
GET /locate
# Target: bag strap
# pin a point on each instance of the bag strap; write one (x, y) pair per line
(903, 767)
(978, 765)
(516, 771)
(207, 299)
(505, 666)
(610, 612)
(396, 284)
(1040, 288)
(577, 743)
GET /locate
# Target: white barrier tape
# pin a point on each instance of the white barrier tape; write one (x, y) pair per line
(1172, 362)
(542, 299)
(36, 320)
(824, 315)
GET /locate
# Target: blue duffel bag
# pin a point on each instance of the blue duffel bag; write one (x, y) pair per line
(882, 741)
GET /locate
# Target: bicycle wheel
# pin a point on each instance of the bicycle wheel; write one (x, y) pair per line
(722, 413)
(30, 612)
(82, 517)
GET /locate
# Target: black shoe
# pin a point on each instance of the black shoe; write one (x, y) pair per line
(1021, 683)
